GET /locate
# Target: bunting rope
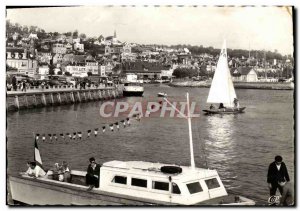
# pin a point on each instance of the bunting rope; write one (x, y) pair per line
(79, 135)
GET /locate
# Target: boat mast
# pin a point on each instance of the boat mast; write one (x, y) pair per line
(188, 117)
(190, 131)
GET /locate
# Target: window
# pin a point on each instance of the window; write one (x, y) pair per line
(120, 180)
(194, 187)
(175, 188)
(160, 185)
(139, 182)
(212, 183)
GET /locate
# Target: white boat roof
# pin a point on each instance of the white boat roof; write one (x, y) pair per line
(153, 169)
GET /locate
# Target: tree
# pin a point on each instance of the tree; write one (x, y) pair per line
(67, 73)
(82, 36)
(25, 29)
(68, 34)
(185, 72)
(100, 38)
(51, 69)
(75, 33)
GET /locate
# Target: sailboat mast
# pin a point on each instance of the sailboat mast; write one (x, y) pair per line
(190, 131)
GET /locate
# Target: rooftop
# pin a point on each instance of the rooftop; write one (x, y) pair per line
(153, 169)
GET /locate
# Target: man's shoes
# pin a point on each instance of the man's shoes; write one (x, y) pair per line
(91, 187)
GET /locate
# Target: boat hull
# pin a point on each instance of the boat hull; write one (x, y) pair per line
(225, 111)
(161, 95)
(44, 192)
(30, 191)
(133, 93)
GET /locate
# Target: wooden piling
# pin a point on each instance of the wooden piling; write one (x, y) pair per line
(17, 104)
(59, 98)
(51, 97)
(72, 97)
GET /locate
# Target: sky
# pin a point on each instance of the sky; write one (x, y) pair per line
(258, 28)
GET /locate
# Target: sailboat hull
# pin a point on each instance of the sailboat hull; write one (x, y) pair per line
(225, 111)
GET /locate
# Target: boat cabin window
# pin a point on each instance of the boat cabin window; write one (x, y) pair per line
(175, 188)
(160, 185)
(120, 180)
(212, 183)
(139, 182)
(126, 84)
(194, 187)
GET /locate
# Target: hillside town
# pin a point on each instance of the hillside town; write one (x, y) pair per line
(36, 57)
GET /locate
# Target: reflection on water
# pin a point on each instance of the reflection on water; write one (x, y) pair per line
(221, 144)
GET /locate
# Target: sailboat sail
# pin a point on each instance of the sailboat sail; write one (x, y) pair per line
(222, 90)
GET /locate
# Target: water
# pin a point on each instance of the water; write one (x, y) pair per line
(239, 146)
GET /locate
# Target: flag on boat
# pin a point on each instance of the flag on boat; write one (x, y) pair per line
(62, 135)
(89, 133)
(117, 124)
(96, 132)
(79, 135)
(37, 155)
(103, 129)
(37, 136)
(74, 135)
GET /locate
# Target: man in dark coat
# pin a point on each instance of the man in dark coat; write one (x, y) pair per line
(277, 172)
(93, 174)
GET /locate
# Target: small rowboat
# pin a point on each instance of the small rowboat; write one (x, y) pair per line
(162, 94)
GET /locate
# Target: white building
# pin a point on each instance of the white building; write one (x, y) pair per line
(18, 59)
(59, 48)
(92, 66)
(76, 40)
(79, 47)
(43, 70)
(102, 70)
(76, 70)
(33, 36)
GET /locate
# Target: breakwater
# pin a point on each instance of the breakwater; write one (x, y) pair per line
(238, 85)
(59, 95)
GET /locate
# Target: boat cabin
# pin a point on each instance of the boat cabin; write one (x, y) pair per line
(156, 181)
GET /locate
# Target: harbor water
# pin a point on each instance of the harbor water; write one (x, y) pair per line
(240, 146)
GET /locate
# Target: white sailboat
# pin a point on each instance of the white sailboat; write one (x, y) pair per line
(222, 89)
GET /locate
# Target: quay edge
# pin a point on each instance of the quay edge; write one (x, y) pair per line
(237, 85)
(53, 96)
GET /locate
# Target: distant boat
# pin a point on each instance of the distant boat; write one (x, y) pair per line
(133, 86)
(162, 94)
(222, 89)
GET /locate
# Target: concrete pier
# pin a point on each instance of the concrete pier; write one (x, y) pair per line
(58, 95)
